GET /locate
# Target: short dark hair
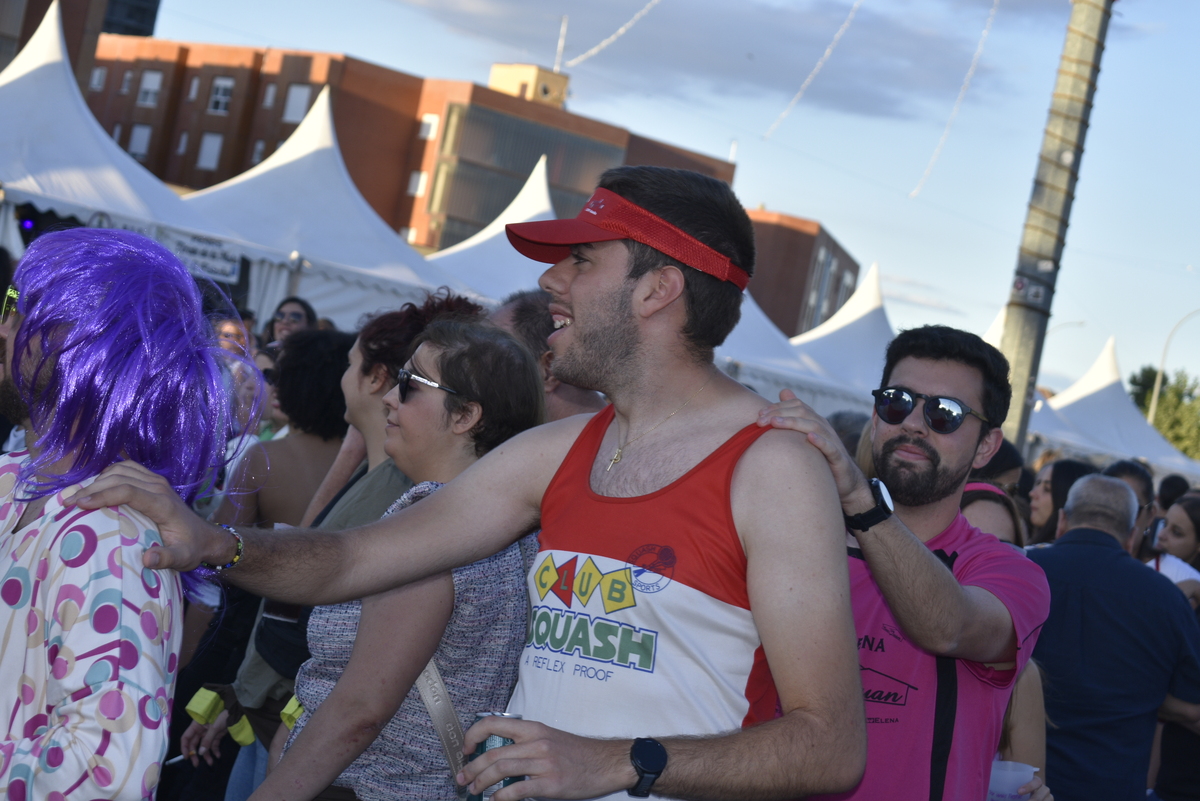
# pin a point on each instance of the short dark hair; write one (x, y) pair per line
(1171, 488)
(943, 343)
(706, 209)
(309, 381)
(1127, 468)
(532, 323)
(309, 312)
(387, 338)
(486, 365)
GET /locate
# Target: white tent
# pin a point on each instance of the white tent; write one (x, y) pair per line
(1098, 405)
(850, 346)
(487, 262)
(55, 155)
(302, 200)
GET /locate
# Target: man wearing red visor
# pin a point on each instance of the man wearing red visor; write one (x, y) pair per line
(690, 631)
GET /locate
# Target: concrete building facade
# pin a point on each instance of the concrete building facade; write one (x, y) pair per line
(803, 275)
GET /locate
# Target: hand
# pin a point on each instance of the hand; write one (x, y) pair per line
(202, 740)
(795, 414)
(555, 764)
(187, 540)
(1038, 788)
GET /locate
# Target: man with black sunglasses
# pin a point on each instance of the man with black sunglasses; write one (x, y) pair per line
(946, 616)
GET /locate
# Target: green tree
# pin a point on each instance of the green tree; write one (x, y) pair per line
(1177, 417)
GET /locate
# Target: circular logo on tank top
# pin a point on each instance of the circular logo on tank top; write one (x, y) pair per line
(653, 567)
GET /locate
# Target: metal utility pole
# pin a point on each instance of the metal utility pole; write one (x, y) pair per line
(1050, 206)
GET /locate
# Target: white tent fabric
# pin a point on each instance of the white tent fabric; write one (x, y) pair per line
(10, 232)
(487, 262)
(55, 155)
(1098, 405)
(303, 201)
(850, 346)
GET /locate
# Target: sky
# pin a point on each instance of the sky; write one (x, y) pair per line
(703, 74)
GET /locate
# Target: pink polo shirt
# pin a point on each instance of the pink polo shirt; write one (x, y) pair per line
(933, 723)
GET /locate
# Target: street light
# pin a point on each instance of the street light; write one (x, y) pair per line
(1163, 366)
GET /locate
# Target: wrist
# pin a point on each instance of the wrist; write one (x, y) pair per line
(221, 547)
(859, 500)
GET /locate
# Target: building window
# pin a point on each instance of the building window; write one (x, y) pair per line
(99, 76)
(296, 105)
(269, 96)
(183, 143)
(194, 87)
(257, 154)
(149, 89)
(126, 82)
(417, 182)
(429, 127)
(218, 98)
(139, 141)
(117, 133)
(210, 151)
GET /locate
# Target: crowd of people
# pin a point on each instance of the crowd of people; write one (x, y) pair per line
(287, 562)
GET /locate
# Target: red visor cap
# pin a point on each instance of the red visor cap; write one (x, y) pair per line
(607, 217)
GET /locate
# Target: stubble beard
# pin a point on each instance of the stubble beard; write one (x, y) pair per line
(601, 353)
(910, 485)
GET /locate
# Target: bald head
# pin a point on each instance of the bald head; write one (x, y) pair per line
(1103, 503)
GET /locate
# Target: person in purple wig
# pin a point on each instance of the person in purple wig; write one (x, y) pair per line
(107, 356)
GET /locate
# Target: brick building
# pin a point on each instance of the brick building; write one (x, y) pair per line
(803, 275)
(438, 160)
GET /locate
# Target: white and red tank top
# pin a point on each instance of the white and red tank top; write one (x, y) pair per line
(641, 623)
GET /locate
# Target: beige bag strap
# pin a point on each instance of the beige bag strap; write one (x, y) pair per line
(445, 721)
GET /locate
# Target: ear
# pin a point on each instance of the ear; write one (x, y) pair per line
(987, 447)
(379, 380)
(1062, 524)
(658, 289)
(549, 382)
(466, 418)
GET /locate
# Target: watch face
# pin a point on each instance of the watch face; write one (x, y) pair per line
(885, 497)
(648, 755)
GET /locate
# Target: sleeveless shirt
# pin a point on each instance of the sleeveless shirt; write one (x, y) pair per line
(640, 622)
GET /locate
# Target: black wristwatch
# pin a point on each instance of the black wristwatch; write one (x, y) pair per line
(875, 515)
(649, 759)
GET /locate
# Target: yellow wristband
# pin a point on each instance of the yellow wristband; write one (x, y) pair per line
(205, 706)
(292, 712)
(242, 732)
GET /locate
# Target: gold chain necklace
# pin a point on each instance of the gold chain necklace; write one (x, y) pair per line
(616, 457)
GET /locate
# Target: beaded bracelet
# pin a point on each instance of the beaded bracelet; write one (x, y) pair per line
(212, 571)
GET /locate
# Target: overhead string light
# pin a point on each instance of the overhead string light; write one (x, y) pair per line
(962, 93)
(812, 75)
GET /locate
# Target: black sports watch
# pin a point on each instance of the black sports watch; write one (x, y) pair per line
(649, 759)
(877, 514)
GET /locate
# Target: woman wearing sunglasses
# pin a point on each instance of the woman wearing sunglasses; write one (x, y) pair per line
(291, 315)
(467, 388)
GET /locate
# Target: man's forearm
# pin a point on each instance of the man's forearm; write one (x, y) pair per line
(799, 754)
(301, 566)
(923, 595)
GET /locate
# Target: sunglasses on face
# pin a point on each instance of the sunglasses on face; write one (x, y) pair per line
(9, 308)
(942, 415)
(290, 317)
(405, 377)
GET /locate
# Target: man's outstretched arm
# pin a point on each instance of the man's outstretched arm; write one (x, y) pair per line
(482, 511)
(787, 513)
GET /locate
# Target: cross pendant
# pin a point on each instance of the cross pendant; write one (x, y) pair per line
(616, 458)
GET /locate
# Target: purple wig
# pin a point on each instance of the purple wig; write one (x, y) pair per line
(116, 360)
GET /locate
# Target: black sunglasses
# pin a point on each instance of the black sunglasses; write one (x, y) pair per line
(404, 377)
(943, 415)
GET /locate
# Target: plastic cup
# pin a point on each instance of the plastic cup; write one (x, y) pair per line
(1007, 778)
